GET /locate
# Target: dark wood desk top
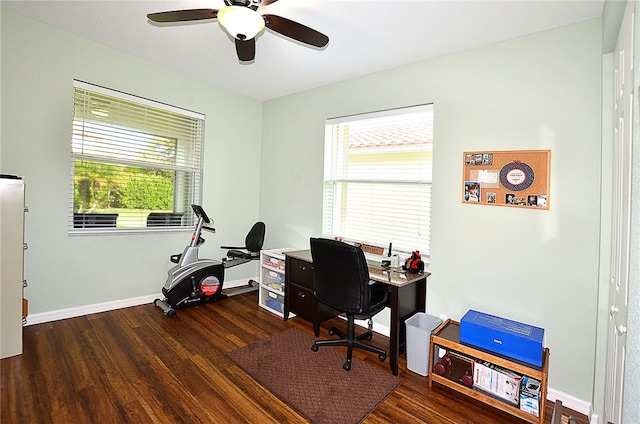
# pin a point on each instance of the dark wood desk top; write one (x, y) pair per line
(393, 276)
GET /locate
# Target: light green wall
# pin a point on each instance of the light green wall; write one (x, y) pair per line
(537, 92)
(39, 64)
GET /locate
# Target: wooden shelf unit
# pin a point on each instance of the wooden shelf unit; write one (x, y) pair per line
(447, 336)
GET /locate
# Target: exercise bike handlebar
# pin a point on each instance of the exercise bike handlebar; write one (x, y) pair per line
(203, 219)
(200, 213)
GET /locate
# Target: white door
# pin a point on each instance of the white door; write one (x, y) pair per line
(621, 218)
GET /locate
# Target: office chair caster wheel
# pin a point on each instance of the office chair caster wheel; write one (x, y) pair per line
(347, 366)
(314, 347)
(332, 331)
(382, 356)
(369, 337)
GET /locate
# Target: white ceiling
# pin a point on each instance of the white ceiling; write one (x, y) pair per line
(365, 36)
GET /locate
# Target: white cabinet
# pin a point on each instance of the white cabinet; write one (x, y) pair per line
(271, 292)
(12, 211)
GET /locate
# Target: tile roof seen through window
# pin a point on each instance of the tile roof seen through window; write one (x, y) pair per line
(394, 134)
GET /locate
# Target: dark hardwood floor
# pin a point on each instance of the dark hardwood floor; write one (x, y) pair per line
(134, 365)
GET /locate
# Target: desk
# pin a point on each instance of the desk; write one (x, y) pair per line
(408, 296)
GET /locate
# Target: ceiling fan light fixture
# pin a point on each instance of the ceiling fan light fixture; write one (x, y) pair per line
(240, 22)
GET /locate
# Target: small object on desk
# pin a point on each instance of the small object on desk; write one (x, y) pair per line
(414, 263)
(386, 263)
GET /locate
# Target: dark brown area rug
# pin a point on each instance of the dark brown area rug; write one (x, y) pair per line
(314, 383)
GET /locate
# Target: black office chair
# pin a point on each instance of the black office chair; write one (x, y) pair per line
(94, 220)
(251, 249)
(341, 281)
(164, 219)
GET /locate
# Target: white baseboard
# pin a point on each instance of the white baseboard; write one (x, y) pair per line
(107, 306)
(89, 309)
(571, 402)
(377, 327)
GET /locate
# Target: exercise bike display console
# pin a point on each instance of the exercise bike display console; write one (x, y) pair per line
(194, 281)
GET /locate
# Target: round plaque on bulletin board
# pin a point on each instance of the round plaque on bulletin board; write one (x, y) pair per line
(517, 176)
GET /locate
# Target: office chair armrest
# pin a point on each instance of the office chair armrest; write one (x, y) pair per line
(233, 247)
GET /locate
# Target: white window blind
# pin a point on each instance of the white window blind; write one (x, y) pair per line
(135, 163)
(377, 179)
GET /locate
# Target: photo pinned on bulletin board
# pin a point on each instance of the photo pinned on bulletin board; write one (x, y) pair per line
(515, 178)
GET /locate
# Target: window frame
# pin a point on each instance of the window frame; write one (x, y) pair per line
(337, 171)
(191, 167)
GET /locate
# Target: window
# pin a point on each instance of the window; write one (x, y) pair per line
(135, 163)
(377, 179)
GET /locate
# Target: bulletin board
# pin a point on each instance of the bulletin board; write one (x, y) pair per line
(514, 178)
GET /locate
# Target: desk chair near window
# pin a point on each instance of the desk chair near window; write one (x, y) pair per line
(94, 220)
(164, 219)
(341, 281)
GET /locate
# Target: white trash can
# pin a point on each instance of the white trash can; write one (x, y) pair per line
(419, 329)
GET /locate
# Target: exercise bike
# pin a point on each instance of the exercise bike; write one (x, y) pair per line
(194, 281)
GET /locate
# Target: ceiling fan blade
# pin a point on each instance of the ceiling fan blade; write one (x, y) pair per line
(183, 15)
(267, 2)
(246, 49)
(295, 30)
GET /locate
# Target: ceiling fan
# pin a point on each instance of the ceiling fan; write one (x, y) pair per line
(241, 20)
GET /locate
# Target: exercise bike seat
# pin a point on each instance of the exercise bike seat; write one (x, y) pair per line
(235, 253)
(252, 244)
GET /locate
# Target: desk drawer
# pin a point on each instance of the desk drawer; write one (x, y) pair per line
(300, 273)
(301, 301)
